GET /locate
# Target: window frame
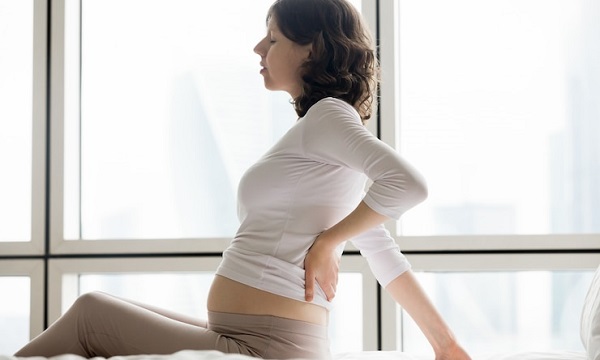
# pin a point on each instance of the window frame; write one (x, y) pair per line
(64, 258)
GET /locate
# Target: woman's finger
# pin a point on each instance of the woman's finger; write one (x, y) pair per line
(309, 286)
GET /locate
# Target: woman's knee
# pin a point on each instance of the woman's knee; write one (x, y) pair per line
(93, 300)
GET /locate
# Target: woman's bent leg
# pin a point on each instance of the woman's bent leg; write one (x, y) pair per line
(168, 313)
(102, 325)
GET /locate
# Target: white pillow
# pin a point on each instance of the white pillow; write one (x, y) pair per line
(590, 319)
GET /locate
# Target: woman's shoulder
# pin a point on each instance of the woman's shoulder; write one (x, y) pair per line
(329, 118)
(329, 106)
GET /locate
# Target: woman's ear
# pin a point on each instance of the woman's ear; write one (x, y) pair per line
(307, 50)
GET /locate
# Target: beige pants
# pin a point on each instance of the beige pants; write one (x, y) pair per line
(102, 325)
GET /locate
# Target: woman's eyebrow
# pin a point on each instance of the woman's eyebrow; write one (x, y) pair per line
(271, 26)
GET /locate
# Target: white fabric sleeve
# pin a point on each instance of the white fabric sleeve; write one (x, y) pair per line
(335, 135)
(382, 253)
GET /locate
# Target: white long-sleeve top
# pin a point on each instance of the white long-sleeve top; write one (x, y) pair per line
(312, 178)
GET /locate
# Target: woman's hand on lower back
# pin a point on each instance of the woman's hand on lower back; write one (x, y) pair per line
(321, 266)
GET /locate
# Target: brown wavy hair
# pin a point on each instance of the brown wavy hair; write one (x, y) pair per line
(342, 62)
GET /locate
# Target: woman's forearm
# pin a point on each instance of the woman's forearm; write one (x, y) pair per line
(358, 221)
(407, 292)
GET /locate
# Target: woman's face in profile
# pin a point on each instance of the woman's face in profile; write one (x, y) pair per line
(281, 59)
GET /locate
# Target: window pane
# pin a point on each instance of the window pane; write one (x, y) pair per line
(14, 313)
(16, 72)
(494, 311)
(346, 318)
(171, 115)
(499, 110)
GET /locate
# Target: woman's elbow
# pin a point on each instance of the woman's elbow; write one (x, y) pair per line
(416, 189)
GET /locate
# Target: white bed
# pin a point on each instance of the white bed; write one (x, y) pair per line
(590, 336)
(365, 355)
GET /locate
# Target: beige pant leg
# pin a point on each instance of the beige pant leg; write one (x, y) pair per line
(102, 325)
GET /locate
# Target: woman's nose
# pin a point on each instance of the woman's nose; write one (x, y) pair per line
(260, 48)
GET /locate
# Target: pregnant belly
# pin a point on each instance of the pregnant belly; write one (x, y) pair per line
(230, 296)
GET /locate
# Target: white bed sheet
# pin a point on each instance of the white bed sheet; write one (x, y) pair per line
(364, 355)
(389, 355)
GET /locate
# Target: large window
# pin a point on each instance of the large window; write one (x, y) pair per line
(157, 109)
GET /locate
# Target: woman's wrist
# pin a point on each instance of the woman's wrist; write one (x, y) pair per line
(327, 240)
(448, 348)
(439, 336)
